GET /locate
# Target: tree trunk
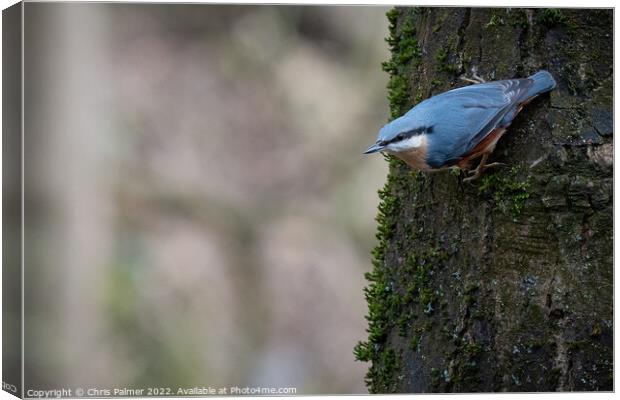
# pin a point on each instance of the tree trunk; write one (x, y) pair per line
(504, 284)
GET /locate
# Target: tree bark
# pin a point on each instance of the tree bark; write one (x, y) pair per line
(504, 284)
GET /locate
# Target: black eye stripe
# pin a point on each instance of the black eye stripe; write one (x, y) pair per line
(408, 134)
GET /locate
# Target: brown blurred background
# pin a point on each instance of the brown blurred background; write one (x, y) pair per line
(198, 211)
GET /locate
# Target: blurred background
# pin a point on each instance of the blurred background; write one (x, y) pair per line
(198, 210)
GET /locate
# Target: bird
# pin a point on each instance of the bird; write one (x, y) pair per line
(453, 128)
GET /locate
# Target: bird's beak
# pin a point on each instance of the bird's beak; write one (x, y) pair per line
(374, 148)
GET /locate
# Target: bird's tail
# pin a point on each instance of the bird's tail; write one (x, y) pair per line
(543, 82)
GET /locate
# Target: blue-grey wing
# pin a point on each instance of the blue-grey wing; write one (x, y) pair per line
(462, 117)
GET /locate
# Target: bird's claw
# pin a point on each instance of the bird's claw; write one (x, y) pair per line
(473, 178)
(495, 164)
(474, 76)
(477, 173)
(474, 79)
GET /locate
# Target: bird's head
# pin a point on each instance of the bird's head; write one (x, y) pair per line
(400, 135)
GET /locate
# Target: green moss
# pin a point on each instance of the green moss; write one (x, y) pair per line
(471, 288)
(469, 298)
(392, 309)
(406, 53)
(435, 378)
(392, 16)
(417, 271)
(574, 345)
(551, 17)
(362, 351)
(404, 324)
(409, 49)
(464, 361)
(462, 357)
(442, 55)
(384, 304)
(414, 343)
(495, 20)
(418, 98)
(518, 18)
(427, 298)
(443, 64)
(381, 379)
(461, 369)
(388, 309)
(554, 375)
(508, 192)
(398, 94)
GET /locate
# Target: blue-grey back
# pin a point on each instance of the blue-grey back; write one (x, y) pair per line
(462, 117)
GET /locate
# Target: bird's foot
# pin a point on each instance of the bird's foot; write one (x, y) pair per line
(487, 166)
(474, 76)
(477, 173)
(495, 164)
(474, 79)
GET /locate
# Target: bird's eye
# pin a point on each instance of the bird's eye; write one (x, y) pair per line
(400, 136)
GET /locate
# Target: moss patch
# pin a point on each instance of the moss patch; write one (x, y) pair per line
(406, 53)
(443, 63)
(383, 303)
(551, 17)
(507, 190)
(495, 20)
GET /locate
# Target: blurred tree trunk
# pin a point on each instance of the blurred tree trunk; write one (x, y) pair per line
(504, 284)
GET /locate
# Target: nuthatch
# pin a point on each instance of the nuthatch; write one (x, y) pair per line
(460, 125)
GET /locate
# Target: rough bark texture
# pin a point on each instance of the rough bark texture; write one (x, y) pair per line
(504, 284)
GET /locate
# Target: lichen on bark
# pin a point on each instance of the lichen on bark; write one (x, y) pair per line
(504, 284)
